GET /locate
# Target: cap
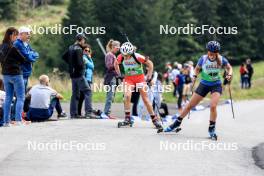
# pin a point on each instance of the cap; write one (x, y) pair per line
(80, 36)
(23, 29)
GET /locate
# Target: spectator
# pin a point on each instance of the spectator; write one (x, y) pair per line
(166, 74)
(190, 63)
(2, 100)
(110, 75)
(244, 75)
(187, 83)
(89, 68)
(22, 44)
(175, 71)
(12, 76)
(43, 100)
(74, 58)
(179, 81)
(250, 72)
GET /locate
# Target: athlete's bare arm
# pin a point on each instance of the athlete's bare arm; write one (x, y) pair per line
(149, 64)
(197, 70)
(229, 70)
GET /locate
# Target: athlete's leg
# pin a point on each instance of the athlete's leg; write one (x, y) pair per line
(215, 97)
(127, 98)
(144, 94)
(199, 94)
(143, 89)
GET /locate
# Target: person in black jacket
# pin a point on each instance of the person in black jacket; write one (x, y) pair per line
(250, 72)
(11, 62)
(74, 58)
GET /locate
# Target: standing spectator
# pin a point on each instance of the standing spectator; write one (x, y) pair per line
(175, 71)
(190, 63)
(110, 75)
(179, 81)
(22, 44)
(2, 100)
(250, 72)
(11, 63)
(166, 74)
(89, 68)
(43, 99)
(244, 75)
(187, 83)
(74, 58)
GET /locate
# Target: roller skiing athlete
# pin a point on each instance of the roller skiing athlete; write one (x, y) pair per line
(210, 66)
(134, 78)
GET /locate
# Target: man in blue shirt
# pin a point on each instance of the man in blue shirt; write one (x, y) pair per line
(22, 44)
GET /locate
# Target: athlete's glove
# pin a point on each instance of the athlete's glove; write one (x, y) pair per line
(120, 77)
(228, 78)
(194, 79)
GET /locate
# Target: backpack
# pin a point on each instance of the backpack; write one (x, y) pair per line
(122, 69)
(135, 58)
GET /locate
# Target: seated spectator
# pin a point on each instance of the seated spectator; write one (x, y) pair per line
(43, 101)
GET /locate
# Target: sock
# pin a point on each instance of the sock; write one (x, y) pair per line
(153, 117)
(177, 123)
(127, 115)
(211, 126)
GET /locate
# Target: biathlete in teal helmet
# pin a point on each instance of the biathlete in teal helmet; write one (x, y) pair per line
(209, 66)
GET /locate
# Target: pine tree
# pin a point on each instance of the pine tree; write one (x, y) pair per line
(186, 44)
(205, 13)
(8, 9)
(237, 13)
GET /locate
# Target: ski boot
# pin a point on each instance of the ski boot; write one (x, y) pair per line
(175, 126)
(126, 122)
(211, 130)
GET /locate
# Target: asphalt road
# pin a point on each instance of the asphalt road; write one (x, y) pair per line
(98, 148)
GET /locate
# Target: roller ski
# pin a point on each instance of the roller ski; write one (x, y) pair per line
(125, 123)
(211, 130)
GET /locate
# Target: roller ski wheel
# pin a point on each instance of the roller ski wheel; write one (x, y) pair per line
(178, 130)
(126, 123)
(213, 136)
(168, 130)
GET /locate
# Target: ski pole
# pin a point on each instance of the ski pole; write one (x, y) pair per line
(101, 46)
(192, 94)
(230, 95)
